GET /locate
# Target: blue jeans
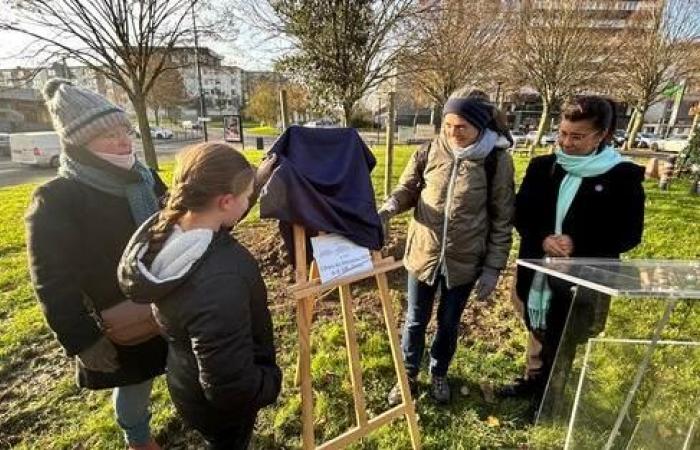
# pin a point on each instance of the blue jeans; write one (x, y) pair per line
(131, 408)
(421, 297)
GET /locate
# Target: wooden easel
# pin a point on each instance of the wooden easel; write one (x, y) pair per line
(308, 286)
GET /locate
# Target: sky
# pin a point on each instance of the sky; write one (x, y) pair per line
(249, 51)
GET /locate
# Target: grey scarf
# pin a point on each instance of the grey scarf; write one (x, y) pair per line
(479, 150)
(142, 200)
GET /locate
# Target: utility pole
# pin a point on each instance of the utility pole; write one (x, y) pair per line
(202, 102)
(388, 169)
(283, 109)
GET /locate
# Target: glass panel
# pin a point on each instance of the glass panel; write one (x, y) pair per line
(634, 278)
(610, 341)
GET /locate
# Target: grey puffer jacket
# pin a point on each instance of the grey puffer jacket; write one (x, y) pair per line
(460, 224)
(213, 312)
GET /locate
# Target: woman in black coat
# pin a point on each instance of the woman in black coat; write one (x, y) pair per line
(600, 198)
(77, 227)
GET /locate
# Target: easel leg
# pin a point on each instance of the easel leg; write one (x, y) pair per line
(397, 355)
(353, 356)
(304, 370)
(310, 302)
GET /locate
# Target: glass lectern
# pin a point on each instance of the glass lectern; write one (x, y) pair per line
(632, 381)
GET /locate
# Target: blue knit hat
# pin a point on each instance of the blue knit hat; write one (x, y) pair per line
(474, 111)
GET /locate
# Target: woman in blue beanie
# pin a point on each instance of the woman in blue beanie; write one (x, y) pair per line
(461, 189)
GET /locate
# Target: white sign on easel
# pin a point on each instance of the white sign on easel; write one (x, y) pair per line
(339, 257)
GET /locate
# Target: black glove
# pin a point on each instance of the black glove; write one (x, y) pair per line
(384, 216)
(487, 283)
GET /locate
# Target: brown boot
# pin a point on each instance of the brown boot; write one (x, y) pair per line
(150, 445)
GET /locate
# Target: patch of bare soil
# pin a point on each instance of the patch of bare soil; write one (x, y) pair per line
(492, 321)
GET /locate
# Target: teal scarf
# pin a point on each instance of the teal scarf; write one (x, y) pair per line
(142, 200)
(577, 168)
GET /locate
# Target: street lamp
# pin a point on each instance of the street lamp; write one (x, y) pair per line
(202, 102)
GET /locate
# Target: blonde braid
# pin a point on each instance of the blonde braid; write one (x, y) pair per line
(162, 227)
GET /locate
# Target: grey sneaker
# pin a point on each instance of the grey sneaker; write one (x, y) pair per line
(440, 389)
(395, 397)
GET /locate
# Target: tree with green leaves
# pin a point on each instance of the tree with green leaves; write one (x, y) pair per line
(264, 102)
(340, 49)
(690, 160)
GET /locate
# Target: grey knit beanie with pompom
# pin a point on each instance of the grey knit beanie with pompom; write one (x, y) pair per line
(79, 115)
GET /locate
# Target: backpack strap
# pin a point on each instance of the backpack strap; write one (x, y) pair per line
(422, 161)
(490, 166)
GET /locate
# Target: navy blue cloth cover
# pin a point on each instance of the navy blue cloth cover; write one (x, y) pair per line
(322, 182)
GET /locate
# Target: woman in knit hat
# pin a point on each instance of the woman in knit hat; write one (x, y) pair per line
(461, 189)
(77, 227)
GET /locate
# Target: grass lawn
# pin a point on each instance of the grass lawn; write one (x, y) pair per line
(262, 131)
(40, 407)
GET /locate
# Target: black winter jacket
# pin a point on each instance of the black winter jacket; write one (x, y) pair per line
(221, 362)
(75, 238)
(605, 219)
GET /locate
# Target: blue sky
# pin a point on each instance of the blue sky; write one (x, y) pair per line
(249, 51)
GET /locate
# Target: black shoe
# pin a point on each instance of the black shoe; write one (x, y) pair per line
(395, 397)
(520, 388)
(440, 390)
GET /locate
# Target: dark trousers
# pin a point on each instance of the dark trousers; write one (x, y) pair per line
(235, 438)
(587, 312)
(421, 297)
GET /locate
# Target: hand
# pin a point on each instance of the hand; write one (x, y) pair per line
(100, 356)
(384, 216)
(566, 244)
(264, 171)
(487, 283)
(553, 246)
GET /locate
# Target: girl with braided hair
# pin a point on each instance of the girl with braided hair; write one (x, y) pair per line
(208, 295)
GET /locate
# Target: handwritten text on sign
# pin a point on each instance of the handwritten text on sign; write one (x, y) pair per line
(339, 257)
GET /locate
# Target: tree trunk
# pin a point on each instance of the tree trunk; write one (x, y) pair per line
(638, 121)
(347, 114)
(540, 129)
(149, 151)
(156, 113)
(695, 185)
(633, 117)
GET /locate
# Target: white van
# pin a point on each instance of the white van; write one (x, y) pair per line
(40, 148)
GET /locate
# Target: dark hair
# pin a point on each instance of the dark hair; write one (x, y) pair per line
(202, 172)
(600, 111)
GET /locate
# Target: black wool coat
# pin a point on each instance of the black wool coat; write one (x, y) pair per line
(221, 363)
(606, 217)
(75, 237)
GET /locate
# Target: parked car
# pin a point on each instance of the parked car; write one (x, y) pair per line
(40, 148)
(190, 125)
(674, 143)
(550, 138)
(321, 123)
(547, 138)
(4, 144)
(648, 140)
(161, 133)
(519, 138)
(619, 138)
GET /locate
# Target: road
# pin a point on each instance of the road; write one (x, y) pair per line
(12, 173)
